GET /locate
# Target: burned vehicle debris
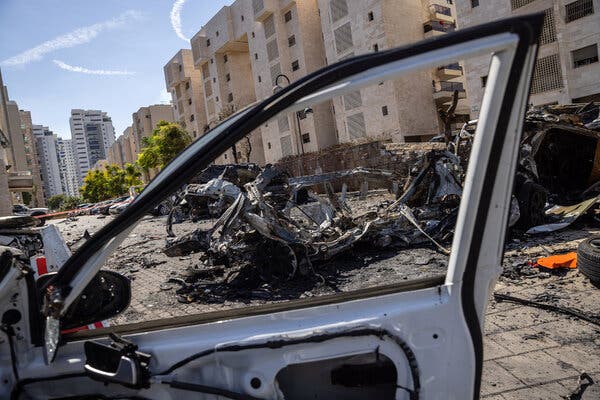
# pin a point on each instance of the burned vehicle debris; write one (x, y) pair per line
(265, 228)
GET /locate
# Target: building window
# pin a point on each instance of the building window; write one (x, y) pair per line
(585, 56)
(180, 67)
(519, 3)
(547, 74)
(474, 3)
(483, 81)
(370, 16)
(212, 61)
(256, 56)
(225, 156)
(549, 28)
(375, 47)
(288, 16)
(230, 97)
(187, 85)
(192, 118)
(253, 35)
(242, 17)
(214, 80)
(189, 101)
(295, 66)
(207, 42)
(225, 58)
(217, 33)
(291, 41)
(306, 138)
(259, 79)
(578, 9)
(384, 110)
(216, 98)
(269, 145)
(228, 77)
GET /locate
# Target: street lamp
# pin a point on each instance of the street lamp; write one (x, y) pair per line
(308, 110)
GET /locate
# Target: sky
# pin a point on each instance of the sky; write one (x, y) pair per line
(56, 55)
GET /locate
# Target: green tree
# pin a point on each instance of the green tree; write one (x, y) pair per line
(56, 202)
(113, 181)
(70, 203)
(165, 143)
(27, 197)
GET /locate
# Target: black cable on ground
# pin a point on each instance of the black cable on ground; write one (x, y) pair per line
(549, 307)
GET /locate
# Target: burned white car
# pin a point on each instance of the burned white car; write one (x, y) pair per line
(405, 339)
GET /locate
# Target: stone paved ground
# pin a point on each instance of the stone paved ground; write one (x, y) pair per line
(531, 353)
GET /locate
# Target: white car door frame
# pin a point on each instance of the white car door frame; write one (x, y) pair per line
(430, 329)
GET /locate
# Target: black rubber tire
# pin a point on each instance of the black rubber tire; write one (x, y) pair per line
(532, 200)
(588, 258)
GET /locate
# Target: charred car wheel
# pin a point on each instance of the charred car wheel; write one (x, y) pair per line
(588, 259)
(532, 201)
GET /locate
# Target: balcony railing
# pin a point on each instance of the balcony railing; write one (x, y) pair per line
(449, 87)
(438, 26)
(441, 9)
(455, 67)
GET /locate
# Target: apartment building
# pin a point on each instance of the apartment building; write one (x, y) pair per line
(145, 120)
(567, 68)
(249, 48)
(48, 152)
(68, 170)
(5, 198)
(92, 133)
(18, 152)
(184, 83)
(32, 159)
(128, 146)
(404, 109)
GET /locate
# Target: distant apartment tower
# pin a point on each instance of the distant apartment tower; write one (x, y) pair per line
(31, 155)
(68, 170)
(567, 68)
(47, 148)
(92, 134)
(184, 82)
(145, 120)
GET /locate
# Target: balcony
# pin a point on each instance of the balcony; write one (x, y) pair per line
(200, 49)
(20, 181)
(443, 91)
(449, 71)
(436, 28)
(441, 13)
(263, 8)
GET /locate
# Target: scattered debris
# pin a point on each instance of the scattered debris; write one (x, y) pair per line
(568, 260)
(582, 393)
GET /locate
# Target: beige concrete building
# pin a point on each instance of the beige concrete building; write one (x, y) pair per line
(567, 68)
(184, 83)
(128, 146)
(243, 49)
(404, 109)
(146, 119)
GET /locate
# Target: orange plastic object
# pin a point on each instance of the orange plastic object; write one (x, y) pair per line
(567, 260)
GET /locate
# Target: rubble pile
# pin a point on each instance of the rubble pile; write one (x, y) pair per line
(278, 227)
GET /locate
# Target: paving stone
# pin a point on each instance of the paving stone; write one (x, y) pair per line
(524, 340)
(550, 391)
(537, 367)
(582, 356)
(521, 317)
(496, 379)
(492, 350)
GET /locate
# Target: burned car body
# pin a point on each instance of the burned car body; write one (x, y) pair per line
(398, 332)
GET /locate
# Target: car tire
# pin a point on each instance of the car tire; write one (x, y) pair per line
(532, 201)
(588, 259)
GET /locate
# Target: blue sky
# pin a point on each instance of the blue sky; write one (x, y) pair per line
(56, 55)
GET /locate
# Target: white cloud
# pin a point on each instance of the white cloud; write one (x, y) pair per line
(176, 19)
(73, 68)
(71, 39)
